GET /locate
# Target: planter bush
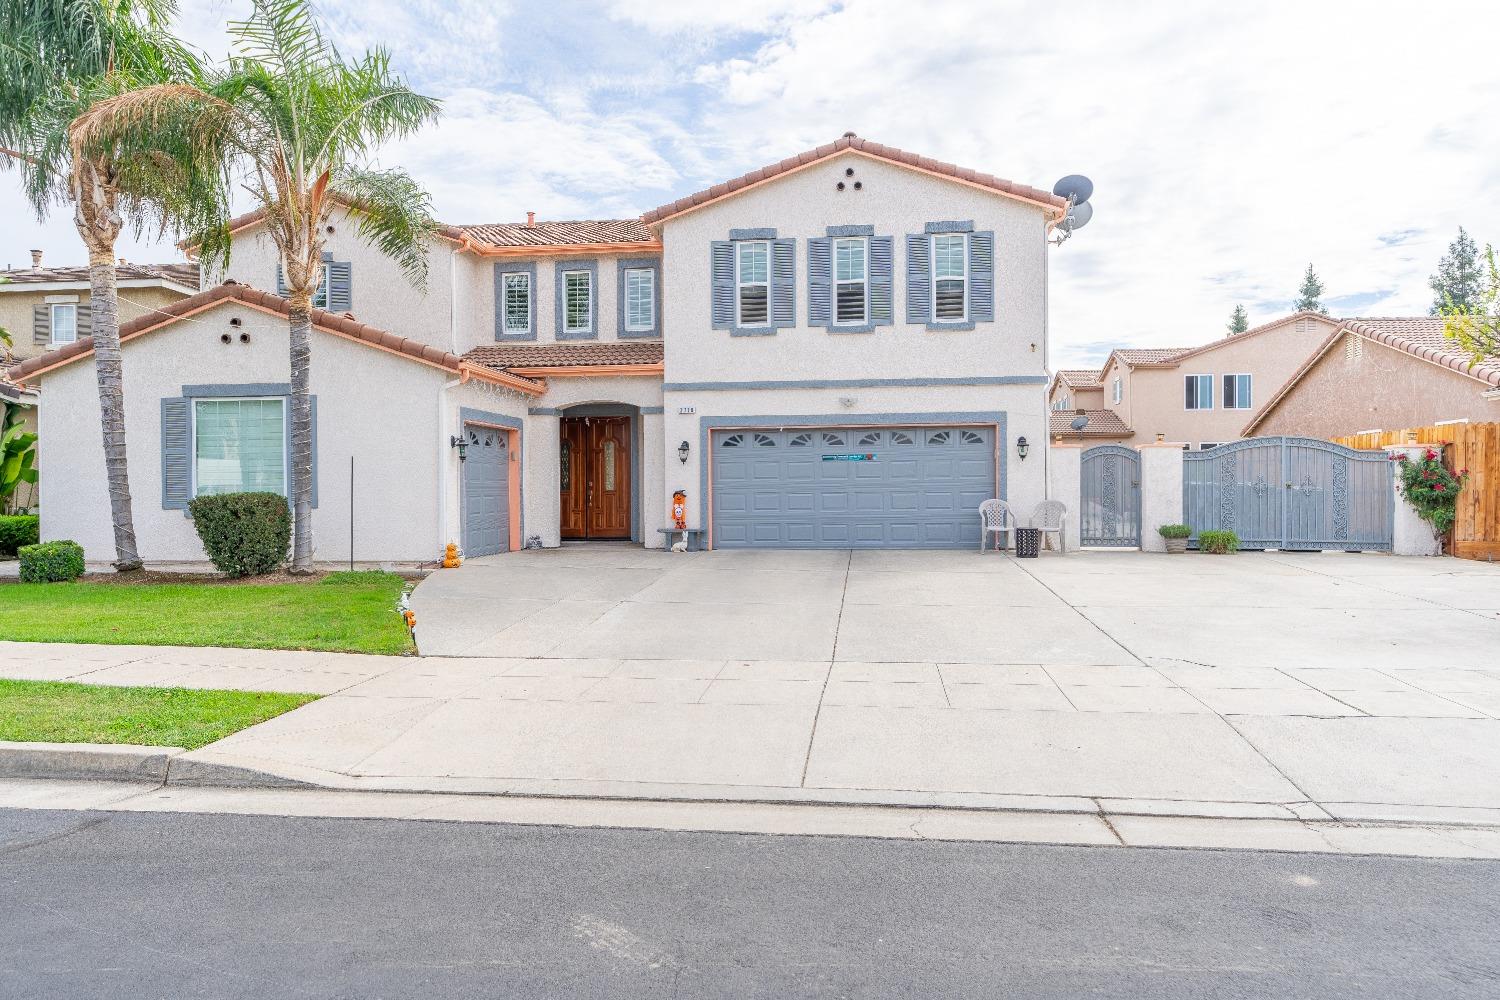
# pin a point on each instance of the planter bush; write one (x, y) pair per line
(244, 534)
(1218, 542)
(51, 562)
(17, 531)
(1431, 489)
(1175, 536)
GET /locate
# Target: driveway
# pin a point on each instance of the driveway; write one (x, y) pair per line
(1318, 685)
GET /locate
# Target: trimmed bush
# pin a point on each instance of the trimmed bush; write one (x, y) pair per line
(19, 530)
(1174, 531)
(1218, 542)
(244, 534)
(51, 562)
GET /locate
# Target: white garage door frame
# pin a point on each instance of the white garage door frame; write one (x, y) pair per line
(708, 426)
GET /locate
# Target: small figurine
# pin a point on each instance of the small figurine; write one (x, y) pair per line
(451, 558)
(679, 510)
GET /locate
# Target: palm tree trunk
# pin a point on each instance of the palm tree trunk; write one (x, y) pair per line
(104, 302)
(302, 470)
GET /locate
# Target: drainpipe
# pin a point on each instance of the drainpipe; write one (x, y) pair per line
(453, 301)
(444, 451)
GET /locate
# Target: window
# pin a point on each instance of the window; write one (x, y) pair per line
(517, 306)
(1236, 392)
(578, 294)
(950, 267)
(1116, 390)
(1205, 445)
(239, 445)
(1199, 392)
(850, 262)
(870, 440)
(754, 289)
(1062, 403)
(320, 297)
(64, 322)
(640, 299)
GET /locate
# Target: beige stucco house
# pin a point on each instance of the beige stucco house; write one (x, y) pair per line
(842, 349)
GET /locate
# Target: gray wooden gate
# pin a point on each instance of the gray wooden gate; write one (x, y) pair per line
(1291, 493)
(1111, 501)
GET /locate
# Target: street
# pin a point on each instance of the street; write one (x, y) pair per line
(136, 905)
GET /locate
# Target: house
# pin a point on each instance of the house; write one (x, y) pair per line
(1381, 374)
(843, 349)
(1197, 395)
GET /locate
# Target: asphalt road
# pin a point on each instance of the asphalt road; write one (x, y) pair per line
(181, 906)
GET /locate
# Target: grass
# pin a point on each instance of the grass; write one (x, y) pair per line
(59, 712)
(343, 612)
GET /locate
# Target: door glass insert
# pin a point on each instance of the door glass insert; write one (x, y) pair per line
(609, 466)
(565, 470)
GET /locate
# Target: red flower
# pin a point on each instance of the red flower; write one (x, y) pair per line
(1438, 487)
(1431, 455)
(1463, 472)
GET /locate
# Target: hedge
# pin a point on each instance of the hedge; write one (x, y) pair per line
(51, 562)
(244, 534)
(19, 530)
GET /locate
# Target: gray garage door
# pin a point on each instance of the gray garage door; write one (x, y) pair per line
(486, 492)
(837, 487)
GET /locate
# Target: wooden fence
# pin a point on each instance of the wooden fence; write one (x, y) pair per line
(1476, 447)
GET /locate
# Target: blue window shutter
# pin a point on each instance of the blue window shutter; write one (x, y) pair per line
(982, 277)
(784, 283)
(176, 453)
(882, 278)
(819, 282)
(723, 285)
(340, 286)
(918, 278)
(280, 281)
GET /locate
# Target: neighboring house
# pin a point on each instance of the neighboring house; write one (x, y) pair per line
(1197, 395)
(1381, 374)
(842, 349)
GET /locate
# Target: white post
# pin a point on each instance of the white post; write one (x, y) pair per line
(1065, 483)
(1413, 536)
(1161, 491)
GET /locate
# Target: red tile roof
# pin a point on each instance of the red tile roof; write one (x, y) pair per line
(1146, 357)
(1080, 378)
(850, 141)
(180, 273)
(1102, 424)
(546, 234)
(512, 357)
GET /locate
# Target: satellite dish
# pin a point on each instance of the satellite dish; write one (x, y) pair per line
(1080, 216)
(1079, 422)
(1076, 187)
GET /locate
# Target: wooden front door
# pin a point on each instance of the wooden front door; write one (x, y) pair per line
(595, 477)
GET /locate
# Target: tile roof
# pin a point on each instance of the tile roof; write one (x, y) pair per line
(10, 390)
(547, 234)
(1080, 378)
(849, 140)
(1102, 424)
(1138, 357)
(181, 273)
(513, 357)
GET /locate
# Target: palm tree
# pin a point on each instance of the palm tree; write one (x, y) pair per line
(301, 125)
(57, 57)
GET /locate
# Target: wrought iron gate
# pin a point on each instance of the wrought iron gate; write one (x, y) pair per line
(1111, 501)
(1291, 493)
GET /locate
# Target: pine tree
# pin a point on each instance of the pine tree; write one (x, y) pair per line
(1238, 321)
(1459, 282)
(1310, 295)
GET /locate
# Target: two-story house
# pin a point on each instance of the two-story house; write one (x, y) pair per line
(843, 349)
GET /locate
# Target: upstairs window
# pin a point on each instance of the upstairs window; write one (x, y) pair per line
(517, 291)
(1236, 392)
(320, 297)
(64, 322)
(1062, 403)
(640, 299)
(753, 287)
(578, 294)
(1198, 392)
(1117, 390)
(850, 277)
(950, 277)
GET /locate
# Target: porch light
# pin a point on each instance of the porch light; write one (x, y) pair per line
(1022, 447)
(455, 441)
(682, 452)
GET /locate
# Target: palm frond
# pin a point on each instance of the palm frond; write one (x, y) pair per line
(395, 214)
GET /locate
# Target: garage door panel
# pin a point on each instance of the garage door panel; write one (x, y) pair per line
(486, 491)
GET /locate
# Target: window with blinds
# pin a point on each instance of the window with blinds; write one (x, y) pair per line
(239, 445)
(950, 276)
(578, 294)
(517, 306)
(753, 291)
(850, 277)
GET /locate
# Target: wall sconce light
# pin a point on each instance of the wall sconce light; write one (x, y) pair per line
(455, 441)
(1022, 447)
(682, 452)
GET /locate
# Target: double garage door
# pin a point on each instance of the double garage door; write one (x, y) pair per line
(850, 487)
(486, 498)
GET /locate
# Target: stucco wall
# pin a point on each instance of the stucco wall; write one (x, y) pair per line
(395, 486)
(1375, 387)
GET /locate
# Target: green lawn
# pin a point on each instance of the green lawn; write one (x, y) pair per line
(59, 712)
(343, 612)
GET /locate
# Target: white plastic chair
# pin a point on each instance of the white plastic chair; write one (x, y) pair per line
(1051, 516)
(995, 519)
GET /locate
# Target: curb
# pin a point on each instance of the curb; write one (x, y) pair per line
(86, 761)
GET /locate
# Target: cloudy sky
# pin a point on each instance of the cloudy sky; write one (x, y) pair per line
(1230, 145)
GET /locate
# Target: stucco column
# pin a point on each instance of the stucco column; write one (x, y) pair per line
(1161, 491)
(539, 490)
(653, 479)
(1413, 536)
(1065, 483)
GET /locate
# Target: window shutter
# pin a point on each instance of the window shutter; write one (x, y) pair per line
(819, 282)
(176, 454)
(882, 280)
(723, 285)
(918, 278)
(41, 325)
(340, 286)
(982, 277)
(280, 282)
(85, 321)
(784, 283)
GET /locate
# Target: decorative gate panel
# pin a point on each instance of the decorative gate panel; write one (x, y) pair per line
(1290, 493)
(1111, 502)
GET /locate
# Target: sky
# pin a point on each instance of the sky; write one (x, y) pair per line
(1230, 144)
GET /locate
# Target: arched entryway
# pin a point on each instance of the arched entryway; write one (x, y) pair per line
(599, 459)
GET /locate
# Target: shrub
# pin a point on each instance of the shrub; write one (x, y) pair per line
(51, 562)
(1174, 531)
(244, 534)
(19, 530)
(1431, 489)
(1218, 542)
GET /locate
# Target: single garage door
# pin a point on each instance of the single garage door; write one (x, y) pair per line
(845, 487)
(486, 492)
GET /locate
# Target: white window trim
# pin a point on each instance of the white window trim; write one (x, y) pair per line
(864, 281)
(932, 256)
(1196, 409)
(322, 288)
(588, 325)
(650, 273)
(1117, 390)
(505, 306)
(1251, 393)
(739, 285)
(52, 309)
(286, 438)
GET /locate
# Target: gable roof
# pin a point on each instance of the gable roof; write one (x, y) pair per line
(1102, 424)
(1171, 357)
(184, 273)
(345, 326)
(1148, 357)
(1080, 378)
(849, 142)
(1420, 337)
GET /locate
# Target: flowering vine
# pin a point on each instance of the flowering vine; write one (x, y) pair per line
(1431, 488)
